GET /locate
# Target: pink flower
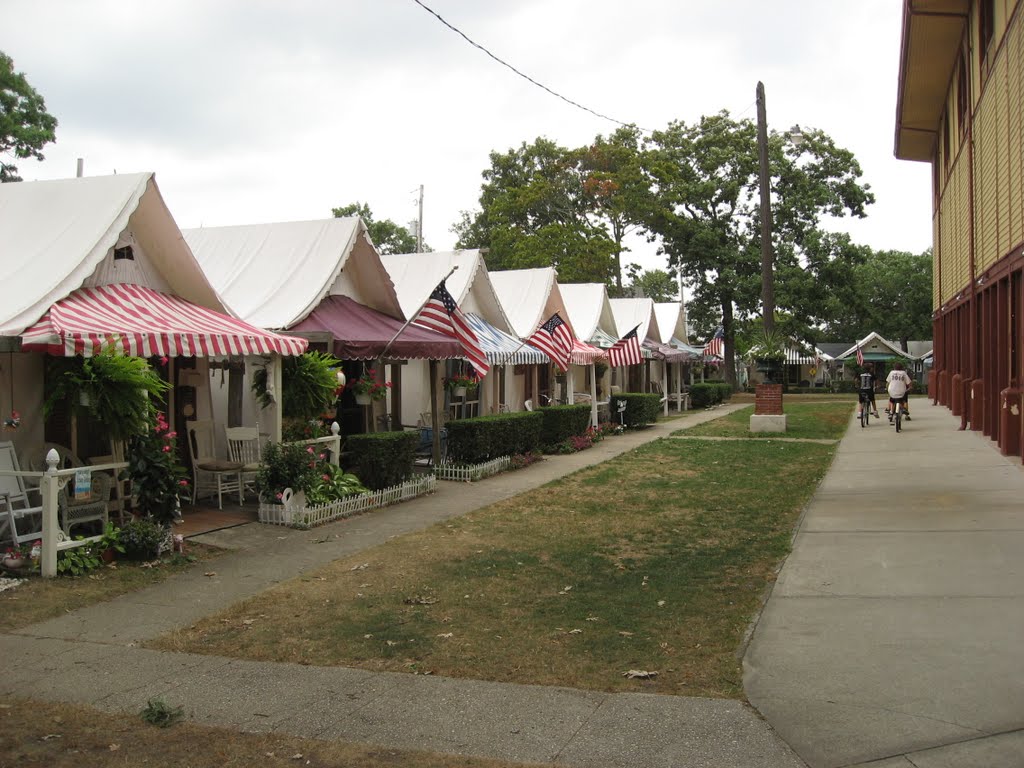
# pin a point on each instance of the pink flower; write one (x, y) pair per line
(183, 483)
(163, 360)
(166, 449)
(279, 496)
(326, 478)
(171, 435)
(309, 449)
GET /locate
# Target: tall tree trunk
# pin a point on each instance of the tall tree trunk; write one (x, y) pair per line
(729, 333)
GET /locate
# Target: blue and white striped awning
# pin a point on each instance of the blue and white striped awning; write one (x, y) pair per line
(501, 348)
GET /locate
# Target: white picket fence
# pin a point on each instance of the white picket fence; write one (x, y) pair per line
(308, 516)
(473, 472)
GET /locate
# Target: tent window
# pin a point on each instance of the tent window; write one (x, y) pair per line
(124, 254)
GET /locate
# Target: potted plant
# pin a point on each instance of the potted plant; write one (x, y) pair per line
(154, 472)
(22, 556)
(114, 388)
(287, 470)
(309, 385)
(368, 388)
(460, 384)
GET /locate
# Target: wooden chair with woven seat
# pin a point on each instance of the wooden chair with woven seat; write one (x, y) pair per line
(210, 473)
(245, 448)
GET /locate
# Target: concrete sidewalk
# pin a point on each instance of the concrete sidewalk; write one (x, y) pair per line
(92, 656)
(895, 632)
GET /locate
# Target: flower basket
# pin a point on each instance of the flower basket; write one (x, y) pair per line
(459, 391)
(368, 388)
(363, 398)
(458, 384)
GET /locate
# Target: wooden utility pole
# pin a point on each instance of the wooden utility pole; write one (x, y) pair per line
(767, 283)
(419, 224)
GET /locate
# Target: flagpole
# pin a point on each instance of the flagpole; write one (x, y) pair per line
(522, 343)
(415, 314)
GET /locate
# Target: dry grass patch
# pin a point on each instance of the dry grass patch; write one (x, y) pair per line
(35, 733)
(39, 599)
(656, 560)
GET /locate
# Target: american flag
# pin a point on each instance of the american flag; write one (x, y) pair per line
(442, 314)
(554, 339)
(860, 356)
(625, 351)
(716, 346)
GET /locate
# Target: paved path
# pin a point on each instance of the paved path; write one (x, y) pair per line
(893, 636)
(92, 656)
(895, 632)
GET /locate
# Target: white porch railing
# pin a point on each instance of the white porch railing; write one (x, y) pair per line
(332, 441)
(50, 483)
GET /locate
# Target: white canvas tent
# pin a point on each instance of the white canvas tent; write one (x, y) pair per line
(415, 276)
(99, 262)
(592, 317)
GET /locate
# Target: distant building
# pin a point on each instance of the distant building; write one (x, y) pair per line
(959, 107)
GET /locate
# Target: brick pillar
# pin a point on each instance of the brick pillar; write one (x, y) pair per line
(768, 400)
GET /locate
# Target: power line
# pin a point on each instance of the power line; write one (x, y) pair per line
(504, 63)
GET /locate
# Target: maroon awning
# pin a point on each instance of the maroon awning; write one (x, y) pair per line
(361, 333)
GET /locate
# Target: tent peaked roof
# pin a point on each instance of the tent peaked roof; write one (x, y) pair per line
(529, 297)
(877, 340)
(589, 309)
(274, 275)
(57, 234)
(630, 313)
(671, 321)
(415, 276)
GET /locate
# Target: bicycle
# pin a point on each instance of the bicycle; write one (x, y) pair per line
(897, 418)
(865, 407)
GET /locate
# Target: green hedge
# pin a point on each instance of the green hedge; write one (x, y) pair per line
(641, 409)
(480, 439)
(562, 422)
(703, 395)
(381, 459)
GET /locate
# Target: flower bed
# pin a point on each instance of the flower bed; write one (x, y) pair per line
(472, 472)
(307, 516)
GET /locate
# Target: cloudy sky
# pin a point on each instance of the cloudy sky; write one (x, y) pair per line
(262, 110)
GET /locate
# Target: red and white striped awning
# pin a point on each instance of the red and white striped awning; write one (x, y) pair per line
(584, 354)
(141, 322)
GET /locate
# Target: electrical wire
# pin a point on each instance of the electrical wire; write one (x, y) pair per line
(504, 63)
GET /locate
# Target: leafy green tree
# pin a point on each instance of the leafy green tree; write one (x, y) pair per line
(891, 294)
(25, 125)
(705, 213)
(616, 187)
(655, 284)
(388, 236)
(534, 212)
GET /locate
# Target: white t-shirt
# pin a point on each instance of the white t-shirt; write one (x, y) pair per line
(898, 383)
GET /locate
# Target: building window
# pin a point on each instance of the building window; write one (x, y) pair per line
(986, 31)
(944, 127)
(962, 100)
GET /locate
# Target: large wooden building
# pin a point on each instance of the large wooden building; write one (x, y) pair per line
(960, 105)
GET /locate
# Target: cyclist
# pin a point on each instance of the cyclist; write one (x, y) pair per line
(866, 384)
(898, 384)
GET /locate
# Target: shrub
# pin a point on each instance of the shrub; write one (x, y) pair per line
(382, 459)
(703, 395)
(562, 422)
(154, 471)
(142, 539)
(474, 441)
(641, 409)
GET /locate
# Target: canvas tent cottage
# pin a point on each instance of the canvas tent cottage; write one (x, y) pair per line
(322, 280)
(678, 368)
(95, 264)
(591, 315)
(530, 297)
(415, 275)
(639, 314)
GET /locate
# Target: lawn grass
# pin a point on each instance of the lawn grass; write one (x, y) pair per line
(36, 733)
(39, 599)
(803, 419)
(656, 560)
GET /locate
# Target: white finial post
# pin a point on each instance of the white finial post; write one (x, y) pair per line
(50, 486)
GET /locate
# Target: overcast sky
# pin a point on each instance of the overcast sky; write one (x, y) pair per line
(261, 110)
